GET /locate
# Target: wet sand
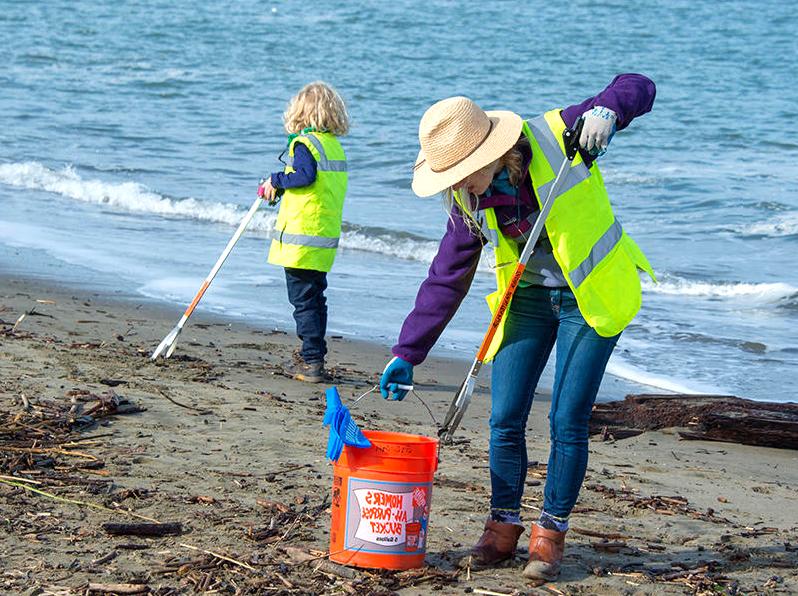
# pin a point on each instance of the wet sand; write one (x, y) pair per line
(234, 450)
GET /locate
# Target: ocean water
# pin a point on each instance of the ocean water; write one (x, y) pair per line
(133, 136)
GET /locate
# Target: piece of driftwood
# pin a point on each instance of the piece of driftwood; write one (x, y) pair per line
(118, 588)
(143, 529)
(705, 417)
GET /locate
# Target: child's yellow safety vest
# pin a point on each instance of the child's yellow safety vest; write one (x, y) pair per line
(308, 225)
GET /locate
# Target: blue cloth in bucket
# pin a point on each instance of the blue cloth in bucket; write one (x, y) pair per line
(343, 430)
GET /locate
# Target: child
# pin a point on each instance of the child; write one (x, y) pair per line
(313, 186)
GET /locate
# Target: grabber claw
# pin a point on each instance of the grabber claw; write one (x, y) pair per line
(170, 341)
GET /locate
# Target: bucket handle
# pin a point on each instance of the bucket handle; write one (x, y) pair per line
(409, 388)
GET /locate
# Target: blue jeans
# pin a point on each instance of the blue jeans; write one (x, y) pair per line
(537, 318)
(306, 294)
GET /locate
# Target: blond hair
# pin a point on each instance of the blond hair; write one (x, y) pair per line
(513, 160)
(317, 105)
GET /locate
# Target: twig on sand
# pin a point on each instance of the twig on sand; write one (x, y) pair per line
(51, 450)
(177, 403)
(299, 556)
(119, 588)
(595, 534)
(283, 579)
(143, 529)
(105, 558)
(76, 502)
(32, 312)
(219, 556)
(17, 478)
(19, 320)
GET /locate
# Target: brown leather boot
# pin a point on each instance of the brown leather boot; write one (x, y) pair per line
(545, 554)
(497, 544)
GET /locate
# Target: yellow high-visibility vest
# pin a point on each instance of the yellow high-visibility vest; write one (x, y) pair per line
(308, 225)
(599, 260)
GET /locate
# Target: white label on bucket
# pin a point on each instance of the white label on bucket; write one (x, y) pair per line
(383, 516)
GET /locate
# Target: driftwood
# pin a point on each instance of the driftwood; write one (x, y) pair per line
(118, 588)
(143, 529)
(705, 417)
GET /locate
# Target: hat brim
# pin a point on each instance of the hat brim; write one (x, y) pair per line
(503, 135)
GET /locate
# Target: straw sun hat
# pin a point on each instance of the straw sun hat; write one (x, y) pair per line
(457, 139)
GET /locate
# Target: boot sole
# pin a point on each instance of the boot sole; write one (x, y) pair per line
(541, 570)
(308, 378)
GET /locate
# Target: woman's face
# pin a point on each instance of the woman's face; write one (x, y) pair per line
(478, 182)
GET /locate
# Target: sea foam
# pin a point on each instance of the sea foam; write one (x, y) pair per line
(136, 198)
(755, 293)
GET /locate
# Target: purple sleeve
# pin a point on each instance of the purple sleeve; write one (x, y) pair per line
(305, 173)
(440, 295)
(628, 95)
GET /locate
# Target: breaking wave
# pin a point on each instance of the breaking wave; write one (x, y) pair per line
(782, 225)
(756, 293)
(136, 198)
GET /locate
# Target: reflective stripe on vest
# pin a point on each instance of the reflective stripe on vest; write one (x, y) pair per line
(600, 249)
(324, 164)
(308, 226)
(489, 233)
(555, 157)
(306, 240)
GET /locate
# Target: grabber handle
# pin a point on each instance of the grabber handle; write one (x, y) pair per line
(279, 192)
(570, 137)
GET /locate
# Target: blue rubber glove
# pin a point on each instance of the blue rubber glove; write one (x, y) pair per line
(397, 372)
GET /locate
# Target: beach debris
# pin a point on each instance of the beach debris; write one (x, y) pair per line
(105, 558)
(63, 451)
(199, 411)
(704, 417)
(38, 441)
(18, 322)
(117, 588)
(602, 535)
(143, 529)
(662, 504)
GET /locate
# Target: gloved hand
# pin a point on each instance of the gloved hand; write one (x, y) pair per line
(598, 130)
(397, 372)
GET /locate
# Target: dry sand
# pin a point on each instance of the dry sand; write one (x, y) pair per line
(241, 465)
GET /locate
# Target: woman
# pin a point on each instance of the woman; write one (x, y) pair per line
(580, 289)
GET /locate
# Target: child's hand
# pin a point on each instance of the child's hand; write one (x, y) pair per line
(267, 191)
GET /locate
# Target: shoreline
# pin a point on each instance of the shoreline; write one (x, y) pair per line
(224, 431)
(612, 387)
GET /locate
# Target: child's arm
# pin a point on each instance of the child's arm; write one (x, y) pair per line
(304, 174)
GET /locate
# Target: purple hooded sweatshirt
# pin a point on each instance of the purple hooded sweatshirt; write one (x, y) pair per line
(452, 270)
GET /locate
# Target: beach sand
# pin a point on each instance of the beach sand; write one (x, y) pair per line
(240, 463)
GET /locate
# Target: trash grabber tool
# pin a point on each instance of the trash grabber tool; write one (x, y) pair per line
(461, 401)
(170, 341)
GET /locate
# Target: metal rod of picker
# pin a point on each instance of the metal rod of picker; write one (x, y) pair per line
(170, 341)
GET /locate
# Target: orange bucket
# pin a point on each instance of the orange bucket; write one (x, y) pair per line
(381, 501)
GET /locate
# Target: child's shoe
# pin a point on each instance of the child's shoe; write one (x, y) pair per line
(310, 372)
